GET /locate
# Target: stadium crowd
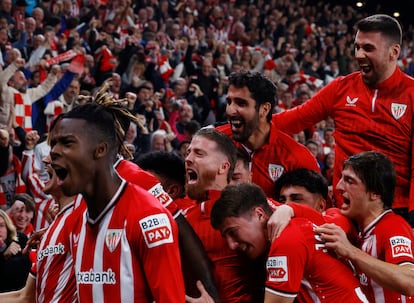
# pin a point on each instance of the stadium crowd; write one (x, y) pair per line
(170, 63)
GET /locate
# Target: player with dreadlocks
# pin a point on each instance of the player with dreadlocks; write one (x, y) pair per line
(105, 108)
(120, 217)
(124, 231)
(197, 265)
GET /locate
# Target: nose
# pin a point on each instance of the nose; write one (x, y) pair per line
(54, 152)
(359, 52)
(47, 159)
(232, 243)
(189, 158)
(230, 108)
(340, 184)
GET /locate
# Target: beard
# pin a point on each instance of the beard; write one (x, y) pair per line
(198, 190)
(246, 130)
(23, 89)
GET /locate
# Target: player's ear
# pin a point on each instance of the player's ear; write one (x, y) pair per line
(260, 214)
(264, 109)
(225, 165)
(321, 206)
(100, 150)
(395, 51)
(374, 196)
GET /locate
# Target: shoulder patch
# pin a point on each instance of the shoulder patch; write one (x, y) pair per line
(401, 247)
(277, 269)
(156, 230)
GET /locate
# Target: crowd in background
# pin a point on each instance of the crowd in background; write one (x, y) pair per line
(170, 60)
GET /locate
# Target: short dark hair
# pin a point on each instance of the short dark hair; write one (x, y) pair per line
(313, 181)
(386, 25)
(165, 164)
(192, 126)
(311, 141)
(261, 88)
(377, 172)
(244, 157)
(224, 144)
(237, 200)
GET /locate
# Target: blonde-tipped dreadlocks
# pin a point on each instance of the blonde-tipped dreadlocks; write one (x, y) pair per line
(117, 108)
(102, 109)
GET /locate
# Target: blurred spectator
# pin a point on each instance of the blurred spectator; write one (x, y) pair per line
(14, 266)
(15, 93)
(21, 212)
(185, 115)
(329, 141)
(313, 147)
(11, 182)
(161, 140)
(6, 11)
(182, 149)
(328, 170)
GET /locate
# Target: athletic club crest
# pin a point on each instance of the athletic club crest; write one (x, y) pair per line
(113, 236)
(275, 171)
(398, 110)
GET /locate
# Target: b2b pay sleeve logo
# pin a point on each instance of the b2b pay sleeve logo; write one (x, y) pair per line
(401, 247)
(156, 230)
(277, 269)
(158, 192)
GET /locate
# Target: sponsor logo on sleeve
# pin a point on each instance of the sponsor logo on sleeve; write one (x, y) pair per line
(398, 110)
(158, 192)
(275, 171)
(156, 230)
(401, 247)
(113, 236)
(51, 250)
(277, 269)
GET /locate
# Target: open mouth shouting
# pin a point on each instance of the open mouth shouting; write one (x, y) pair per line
(365, 68)
(192, 176)
(345, 203)
(236, 124)
(61, 173)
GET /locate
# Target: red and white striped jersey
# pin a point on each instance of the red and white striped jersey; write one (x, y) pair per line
(35, 186)
(388, 238)
(129, 253)
(55, 274)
